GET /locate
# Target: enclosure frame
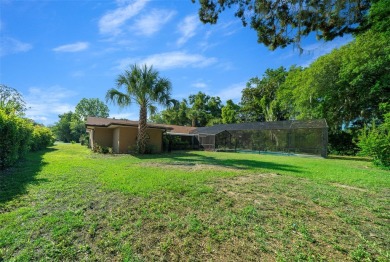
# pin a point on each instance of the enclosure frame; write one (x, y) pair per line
(289, 137)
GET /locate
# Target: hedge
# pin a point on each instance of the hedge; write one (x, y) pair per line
(18, 136)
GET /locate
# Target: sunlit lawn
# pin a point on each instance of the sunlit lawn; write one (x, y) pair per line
(68, 203)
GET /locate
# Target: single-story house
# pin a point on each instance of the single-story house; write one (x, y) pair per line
(121, 135)
(292, 136)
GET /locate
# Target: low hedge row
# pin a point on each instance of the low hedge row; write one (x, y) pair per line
(19, 136)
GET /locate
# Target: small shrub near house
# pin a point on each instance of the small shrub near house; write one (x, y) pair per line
(102, 149)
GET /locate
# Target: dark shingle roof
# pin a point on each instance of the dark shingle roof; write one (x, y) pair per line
(106, 122)
(289, 124)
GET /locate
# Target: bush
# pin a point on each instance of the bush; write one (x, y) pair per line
(342, 143)
(84, 140)
(102, 149)
(15, 138)
(375, 142)
(42, 137)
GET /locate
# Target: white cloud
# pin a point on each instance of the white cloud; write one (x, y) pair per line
(187, 28)
(45, 104)
(111, 22)
(200, 85)
(170, 60)
(10, 45)
(152, 22)
(71, 48)
(232, 92)
(130, 116)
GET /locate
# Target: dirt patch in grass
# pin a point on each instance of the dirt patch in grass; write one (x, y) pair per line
(190, 166)
(350, 187)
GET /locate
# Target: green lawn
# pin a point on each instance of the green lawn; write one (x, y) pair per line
(68, 204)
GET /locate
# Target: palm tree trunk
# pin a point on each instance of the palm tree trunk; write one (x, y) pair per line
(141, 141)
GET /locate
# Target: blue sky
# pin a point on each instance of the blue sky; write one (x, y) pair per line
(57, 52)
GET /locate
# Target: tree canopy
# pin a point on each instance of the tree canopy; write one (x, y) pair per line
(11, 101)
(91, 107)
(281, 23)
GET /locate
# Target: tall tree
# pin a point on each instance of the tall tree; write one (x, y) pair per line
(68, 128)
(230, 112)
(280, 23)
(175, 115)
(11, 101)
(144, 86)
(204, 109)
(259, 99)
(91, 107)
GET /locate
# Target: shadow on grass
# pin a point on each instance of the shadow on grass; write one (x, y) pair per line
(14, 180)
(191, 158)
(356, 158)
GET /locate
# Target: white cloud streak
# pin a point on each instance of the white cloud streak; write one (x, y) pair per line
(170, 60)
(9, 45)
(153, 22)
(200, 85)
(130, 116)
(232, 92)
(72, 48)
(44, 104)
(187, 29)
(112, 21)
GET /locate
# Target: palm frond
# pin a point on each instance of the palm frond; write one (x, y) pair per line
(117, 97)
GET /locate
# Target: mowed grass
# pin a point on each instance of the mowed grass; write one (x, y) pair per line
(69, 204)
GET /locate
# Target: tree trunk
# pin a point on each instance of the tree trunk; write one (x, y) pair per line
(142, 124)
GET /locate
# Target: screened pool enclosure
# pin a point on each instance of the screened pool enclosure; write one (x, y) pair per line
(292, 137)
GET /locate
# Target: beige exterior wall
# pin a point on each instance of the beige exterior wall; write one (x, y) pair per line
(103, 136)
(155, 140)
(127, 139)
(123, 138)
(115, 140)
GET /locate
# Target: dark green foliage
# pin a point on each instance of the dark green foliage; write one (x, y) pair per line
(15, 138)
(281, 23)
(69, 128)
(342, 143)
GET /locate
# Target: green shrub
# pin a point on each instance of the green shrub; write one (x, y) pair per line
(102, 149)
(375, 142)
(42, 137)
(84, 140)
(15, 138)
(342, 143)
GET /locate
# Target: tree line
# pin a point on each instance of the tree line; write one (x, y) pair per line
(71, 125)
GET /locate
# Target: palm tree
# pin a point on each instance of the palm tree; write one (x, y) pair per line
(143, 86)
